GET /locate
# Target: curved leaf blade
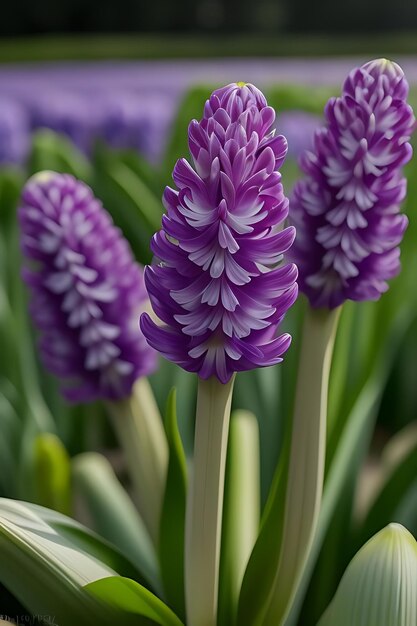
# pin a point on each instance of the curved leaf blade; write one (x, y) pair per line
(52, 473)
(53, 151)
(84, 539)
(400, 478)
(172, 528)
(113, 514)
(45, 571)
(138, 604)
(263, 561)
(241, 510)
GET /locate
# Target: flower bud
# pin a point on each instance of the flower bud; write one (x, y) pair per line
(379, 587)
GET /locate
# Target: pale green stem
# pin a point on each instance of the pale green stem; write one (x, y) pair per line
(307, 457)
(205, 502)
(141, 434)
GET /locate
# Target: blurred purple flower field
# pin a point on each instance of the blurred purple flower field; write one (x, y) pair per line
(133, 104)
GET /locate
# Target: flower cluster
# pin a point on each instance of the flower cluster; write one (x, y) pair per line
(87, 291)
(346, 210)
(220, 288)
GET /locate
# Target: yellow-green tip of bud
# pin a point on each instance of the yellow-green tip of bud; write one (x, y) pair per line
(379, 587)
(42, 176)
(241, 84)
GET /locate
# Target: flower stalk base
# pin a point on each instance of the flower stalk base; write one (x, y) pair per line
(307, 457)
(139, 428)
(205, 501)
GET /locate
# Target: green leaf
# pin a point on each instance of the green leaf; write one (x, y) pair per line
(36, 410)
(338, 387)
(258, 391)
(406, 512)
(172, 528)
(135, 189)
(11, 181)
(167, 376)
(55, 152)
(10, 428)
(400, 476)
(133, 205)
(190, 108)
(128, 596)
(46, 571)
(9, 330)
(355, 358)
(52, 473)
(241, 510)
(289, 97)
(113, 514)
(84, 539)
(263, 561)
(144, 170)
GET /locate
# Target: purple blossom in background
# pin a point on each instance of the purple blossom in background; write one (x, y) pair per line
(220, 288)
(79, 92)
(299, 128)
(73, 115)
(142, 123)
(346, 210)
(87, 291)
(14, 132)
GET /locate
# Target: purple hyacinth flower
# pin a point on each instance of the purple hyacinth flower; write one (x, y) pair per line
(86, 289)
(346, 210)
(220, 288)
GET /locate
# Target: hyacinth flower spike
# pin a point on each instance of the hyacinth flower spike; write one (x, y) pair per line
(220, 290)
(86, 294)
(347, 214)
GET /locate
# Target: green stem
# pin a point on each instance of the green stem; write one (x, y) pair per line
(307, 457)
(141, 434)
(205, 502)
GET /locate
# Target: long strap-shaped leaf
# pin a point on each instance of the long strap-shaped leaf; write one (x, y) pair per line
(45, 571)
(400, 476)
(172, 527)
(138, 606)
(52, 575)
(113, 513)
(241, 510)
